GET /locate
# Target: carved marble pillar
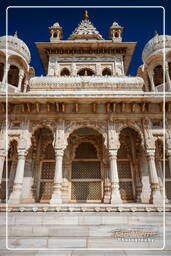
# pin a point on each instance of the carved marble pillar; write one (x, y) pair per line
(2, 161)
(138, 184)
(21, 76)
(151, 75)
(168, 77)
(98, 69)
(25, 85)
(15, 196)
(169, 159)
(6, 69)
(73, 69)
(156, 196)
(56, 195)
(115, 193)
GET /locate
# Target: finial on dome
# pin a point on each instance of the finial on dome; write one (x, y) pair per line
(16, 34)
(86, 15)
(156, 33)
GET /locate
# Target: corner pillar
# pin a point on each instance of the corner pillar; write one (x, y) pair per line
(151, 74)
(168, 77)
(15, 196)
(21, 76)
(56, 195)
(115, 192)
(156, 196)
(6, 69)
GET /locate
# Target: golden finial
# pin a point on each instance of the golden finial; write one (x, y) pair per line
(86, 15)
(156, 33)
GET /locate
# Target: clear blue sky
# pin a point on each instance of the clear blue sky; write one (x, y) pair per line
(32, 23)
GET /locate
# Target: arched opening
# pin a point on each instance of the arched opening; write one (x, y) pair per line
(85, 154)
(13, 75)
(158, 75)
(9, 171)
(116, 34)
(55, 35)
(1, 71)
(159, 160)
(169, 64)
(65, 72)
(85, 72)
(43, 166)
(128, 164)
(106, 72)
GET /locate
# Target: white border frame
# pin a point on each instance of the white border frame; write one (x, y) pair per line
(86, 249)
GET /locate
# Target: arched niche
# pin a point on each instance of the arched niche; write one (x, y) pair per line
(84, 155)
(106, 72)
(65, 72)
(128, 164)
(85, 72)
(13, 75)
(1, 71)
(158, 75)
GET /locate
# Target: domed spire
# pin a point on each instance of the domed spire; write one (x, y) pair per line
(115, 32)
(156, 33)
(55, 32)
(16, 34)
(85, 30)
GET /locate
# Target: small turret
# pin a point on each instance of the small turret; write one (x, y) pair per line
(115, 32)
(55, 32)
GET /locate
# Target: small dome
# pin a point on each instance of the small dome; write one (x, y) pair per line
(115, 24)
(155, 45)
(56, 25)
(16, 45)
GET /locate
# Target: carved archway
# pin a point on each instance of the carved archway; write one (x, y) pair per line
(84, 159)
(158, 75)
(65, 72)
(128, 161)
(13, 75)
(85, 72)
(100, 127)
(106, 72)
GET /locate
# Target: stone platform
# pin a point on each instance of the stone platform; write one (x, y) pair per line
(85, 233)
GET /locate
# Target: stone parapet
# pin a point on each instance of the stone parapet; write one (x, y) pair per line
(123, 83)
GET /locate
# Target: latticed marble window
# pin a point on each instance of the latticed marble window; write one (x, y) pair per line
(86, 174)
(46, 182)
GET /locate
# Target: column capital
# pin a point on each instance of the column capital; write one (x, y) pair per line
(59, 152)
(2, 153)
(22, 153)
(150, 153)
(168, 152)
(113, 153)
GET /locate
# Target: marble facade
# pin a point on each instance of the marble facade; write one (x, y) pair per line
(86, 142)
